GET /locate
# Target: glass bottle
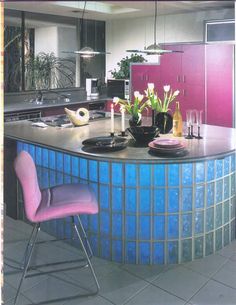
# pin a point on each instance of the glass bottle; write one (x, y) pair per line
(177, 122)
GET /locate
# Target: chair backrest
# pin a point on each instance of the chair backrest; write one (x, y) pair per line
(26, 172)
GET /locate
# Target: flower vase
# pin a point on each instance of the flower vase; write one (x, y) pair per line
(135, 121)
(153, 117)
(164, 122)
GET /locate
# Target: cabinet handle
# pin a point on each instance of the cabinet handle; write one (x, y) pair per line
(178, 78)
(184, 92)
(184, 78)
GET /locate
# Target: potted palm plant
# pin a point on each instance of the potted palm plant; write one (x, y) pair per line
(163, 120)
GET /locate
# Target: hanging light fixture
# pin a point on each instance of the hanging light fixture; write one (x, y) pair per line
(155, 48)
(86, 52)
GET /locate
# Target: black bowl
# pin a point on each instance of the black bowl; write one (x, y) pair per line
(143, 134)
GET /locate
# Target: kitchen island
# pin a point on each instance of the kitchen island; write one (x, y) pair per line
(153, 210)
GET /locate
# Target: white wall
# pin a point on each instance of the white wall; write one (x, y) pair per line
(136, 33)
(46, 40)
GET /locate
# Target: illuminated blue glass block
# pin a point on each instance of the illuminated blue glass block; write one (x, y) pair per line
(130, 227)
(232, 229)
(60, 228)
(45, 157)
(130, 200)
(186, 250)
(199, 197)
(52, 159)
(84, 219)
(159, 175)
(104, 222)
(59, 178)
(67, 164)
(209, 243)
(158, 253)
(105, 248)
(198, 247)
(52, 178)
(117, 199)
(173, 174)
(209, 219)
(145, 201)
(159, 228)
(159, 201)
(173, 226)
(117, 174)
(219, 168)
(233, 162)
(200, 172)
(74, 179)
(83, 168)
(218, 239)
(67, 179)
(210, 170)
(144, 253)
(75, 166)
(59, 161)
(226, 188)
(199, 222)
(93, 170)
(104, 196)
(93, 220)
(226, 235)
(187, 174)
(219, 215)
(104, 173)
(130, 174)
(210, 194)
(232, 206)
(45, 178)
(226, 165)
(117, 251)
(130, 252)
(219, 190)
(117, 225)
(173, 200)
(68, 228)
(94, 244)
(38, 157)
(144, 227)
(187, 199)
(19, 146)
(226, 212)
(186, 225)
(94, 187)
(25, 146)
(144, 175)
(173, 252)
(32, 151)
(232, 177)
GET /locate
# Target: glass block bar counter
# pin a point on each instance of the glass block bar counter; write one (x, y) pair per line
(152, 210)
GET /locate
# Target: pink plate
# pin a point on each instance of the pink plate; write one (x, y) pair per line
(168, 143)
(166, 149)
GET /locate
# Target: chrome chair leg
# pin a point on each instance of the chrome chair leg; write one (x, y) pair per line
(85, 237)
(22, 265)
(86, 253)
(28, 252)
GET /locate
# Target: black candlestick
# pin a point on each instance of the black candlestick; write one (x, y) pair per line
(189, 136)
(198, 133)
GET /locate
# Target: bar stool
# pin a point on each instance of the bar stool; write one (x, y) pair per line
(52, 203)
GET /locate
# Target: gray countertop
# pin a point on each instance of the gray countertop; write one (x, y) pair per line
(26, 105)
(216, 143)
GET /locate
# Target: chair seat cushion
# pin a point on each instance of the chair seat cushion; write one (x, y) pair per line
(66, 200)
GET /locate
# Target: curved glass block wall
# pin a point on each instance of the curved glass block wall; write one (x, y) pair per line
(149, 213)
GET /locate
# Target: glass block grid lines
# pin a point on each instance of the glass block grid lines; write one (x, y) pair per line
(149, 213)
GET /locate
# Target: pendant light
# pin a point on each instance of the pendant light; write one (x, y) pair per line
(155, 48)
(86, 52)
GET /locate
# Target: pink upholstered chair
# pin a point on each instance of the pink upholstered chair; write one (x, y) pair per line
(56, 202)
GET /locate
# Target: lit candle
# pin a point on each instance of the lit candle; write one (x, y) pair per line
(112, 119)
(122, 119)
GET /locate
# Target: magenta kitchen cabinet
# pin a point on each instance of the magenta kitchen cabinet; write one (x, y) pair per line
(219, 85)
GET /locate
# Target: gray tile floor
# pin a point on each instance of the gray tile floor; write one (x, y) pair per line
(206, 281)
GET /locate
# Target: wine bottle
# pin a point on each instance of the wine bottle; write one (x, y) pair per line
(177, 122)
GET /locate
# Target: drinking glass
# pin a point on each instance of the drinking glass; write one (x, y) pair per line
(189, 119)
(199, 122)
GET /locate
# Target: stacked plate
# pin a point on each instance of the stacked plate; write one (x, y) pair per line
(168, 147)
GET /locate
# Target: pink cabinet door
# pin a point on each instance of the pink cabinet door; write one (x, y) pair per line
(219, 84)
